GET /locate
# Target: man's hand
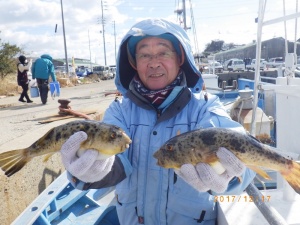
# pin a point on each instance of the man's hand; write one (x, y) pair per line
(87, 167)
(203, 177)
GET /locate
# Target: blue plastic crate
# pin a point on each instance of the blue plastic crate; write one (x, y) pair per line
(55, 88)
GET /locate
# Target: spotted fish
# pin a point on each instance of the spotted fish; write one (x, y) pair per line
(105, 138)
(201, 145)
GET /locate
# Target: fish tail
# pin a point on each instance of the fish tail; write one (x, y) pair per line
(12, 161)
(292, 176)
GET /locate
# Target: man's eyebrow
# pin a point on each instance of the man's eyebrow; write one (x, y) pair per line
(160, 43)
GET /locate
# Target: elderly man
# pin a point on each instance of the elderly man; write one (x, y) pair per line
(162, 96)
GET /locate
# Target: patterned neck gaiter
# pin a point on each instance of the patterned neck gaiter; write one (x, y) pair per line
(156, 97)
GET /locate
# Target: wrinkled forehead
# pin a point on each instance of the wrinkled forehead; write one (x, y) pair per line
(151, 42)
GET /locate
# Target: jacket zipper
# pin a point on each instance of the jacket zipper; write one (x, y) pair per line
(158, 112)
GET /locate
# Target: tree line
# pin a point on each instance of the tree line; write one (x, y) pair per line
(8, 54)
(217, 46)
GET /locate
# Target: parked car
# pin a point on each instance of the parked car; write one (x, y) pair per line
(103, 72)
(251, 66)
(113, 70)
(60, 69)
(214, 65)
(83, 71)
(236, 65)
(298, 62)
(275, 62)
(226, 63)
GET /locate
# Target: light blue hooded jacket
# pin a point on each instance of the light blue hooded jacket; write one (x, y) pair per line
(43, 67)
(147, 193)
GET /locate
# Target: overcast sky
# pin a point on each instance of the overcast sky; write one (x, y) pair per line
(31, 24)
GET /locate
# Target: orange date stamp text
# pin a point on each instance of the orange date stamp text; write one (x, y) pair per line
(240, 198)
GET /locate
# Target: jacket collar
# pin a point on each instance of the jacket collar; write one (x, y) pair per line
(179, 98)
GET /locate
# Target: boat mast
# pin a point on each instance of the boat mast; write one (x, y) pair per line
(194, 29)
(184, 15)
(261, 12)
(64, 34)
(182, 12)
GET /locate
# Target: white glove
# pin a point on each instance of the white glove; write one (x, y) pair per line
(203, 177)
(87, 167)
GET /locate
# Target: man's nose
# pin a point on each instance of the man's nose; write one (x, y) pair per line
(155, 64)
(154, 61)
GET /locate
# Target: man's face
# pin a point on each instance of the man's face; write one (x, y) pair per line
(157, 62)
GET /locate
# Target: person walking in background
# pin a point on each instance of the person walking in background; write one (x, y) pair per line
(23, 67)
(42, 68)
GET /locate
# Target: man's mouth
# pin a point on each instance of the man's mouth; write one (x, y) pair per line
(156, 75)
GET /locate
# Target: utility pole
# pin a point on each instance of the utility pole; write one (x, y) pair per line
(90, 51)
(65, 44)
(115, 40)
(103, 32)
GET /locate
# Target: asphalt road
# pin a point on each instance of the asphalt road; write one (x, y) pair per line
(20, 127)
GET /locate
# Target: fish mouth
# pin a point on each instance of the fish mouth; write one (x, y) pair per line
(160, 163)
(164, 165)
(167, 165)
(124, 147)
(127, 144)
(128, 141)
(156, 156)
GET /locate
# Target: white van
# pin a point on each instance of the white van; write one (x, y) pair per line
(236, 65)
(262, 65)
(103, 72)
(275, 62)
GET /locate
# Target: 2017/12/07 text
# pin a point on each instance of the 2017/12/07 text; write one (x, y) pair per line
(237, 198)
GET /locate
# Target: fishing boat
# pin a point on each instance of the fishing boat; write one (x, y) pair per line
(275, 109)
(278, 205)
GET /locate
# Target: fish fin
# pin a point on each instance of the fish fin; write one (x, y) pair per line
(46, 158)
(12, 161)
(42, 139)
(292, 176)
(255, 138)
(260, 172)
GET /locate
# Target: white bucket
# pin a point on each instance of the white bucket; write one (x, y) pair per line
(34, 92)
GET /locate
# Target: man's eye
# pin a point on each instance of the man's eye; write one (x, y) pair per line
(162, 54)
(145, 56)
(165, 55)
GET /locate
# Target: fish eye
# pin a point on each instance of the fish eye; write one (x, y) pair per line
(113, 135)
(169, 147)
